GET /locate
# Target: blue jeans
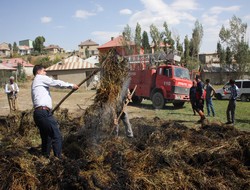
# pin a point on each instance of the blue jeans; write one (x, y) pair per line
(49, 132)
(209, 104)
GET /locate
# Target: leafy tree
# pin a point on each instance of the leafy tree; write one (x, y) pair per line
(197, 36)
(179, 46)
(166, 36)
(156, 37)
(186, 49)
(228, 56)
(221, 53)
(145, 42)
(44, 61)
(138, 38)
(87, 52)
(38, 44)
(127, 38)
(15, 48)
(233, 38)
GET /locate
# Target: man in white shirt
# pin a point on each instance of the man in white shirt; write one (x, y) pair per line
(42, 102)
(11, 89)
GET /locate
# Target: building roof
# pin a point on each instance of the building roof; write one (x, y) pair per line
(93, 59)
(88, 42)
(114, 42)
(3, 67)
(4, 46)
(71, 63)
(13, 62)
(52, 47)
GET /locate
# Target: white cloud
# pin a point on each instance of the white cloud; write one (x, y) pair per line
(184, 5)
(125, 12)
(104, 36)
(99, 8)
(218, 10)
(82, 14)
(59, 26)
(210, 20)
(46, 19)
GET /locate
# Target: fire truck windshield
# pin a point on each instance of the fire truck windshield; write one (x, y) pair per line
(181, 73)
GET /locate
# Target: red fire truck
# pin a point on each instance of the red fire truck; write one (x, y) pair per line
(159, 79)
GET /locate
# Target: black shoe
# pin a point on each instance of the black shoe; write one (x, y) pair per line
(229, 122)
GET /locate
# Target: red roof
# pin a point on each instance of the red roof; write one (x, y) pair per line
(3, 67)
(13, 62)
(114, 42)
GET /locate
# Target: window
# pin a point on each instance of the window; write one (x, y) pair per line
(238, 83)
(181, 73)
(246, 84)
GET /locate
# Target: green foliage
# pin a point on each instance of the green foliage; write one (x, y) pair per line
(197, 36)
(166, 36)
(44, 61)
(21, 73)
(56, 60)
(127, 38)
(38, 44)
(156, 37)
(145, 42)
(138, 38)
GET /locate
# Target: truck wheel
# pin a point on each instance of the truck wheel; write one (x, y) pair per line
(218, 96)
(243, 98)
(178, 104)
(136, 99)
(158, 100)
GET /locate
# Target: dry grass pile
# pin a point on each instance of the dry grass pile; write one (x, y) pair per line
(163, 155)
(114, 82)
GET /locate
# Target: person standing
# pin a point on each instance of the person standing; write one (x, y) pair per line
(12, 89)
(122, 113)
(42, 103)
(232, 102)
(199, 104)
(210, 92)
(192, 95)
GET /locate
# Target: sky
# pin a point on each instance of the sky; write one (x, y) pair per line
(67, 23)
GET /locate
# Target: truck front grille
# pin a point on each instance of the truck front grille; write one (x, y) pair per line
(180, 90)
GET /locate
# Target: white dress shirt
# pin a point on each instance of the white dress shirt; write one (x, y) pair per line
(10, 87)
(40, 90)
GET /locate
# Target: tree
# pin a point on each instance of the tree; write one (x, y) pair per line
(179, 46)
(197, 36)
(166, 36)
(156, 37)
(221, 53)
(186, 49)
(38, 44)
(15, 48)
(228, 56)
(145, 42)
(138, 38)
(233, 38)
(127, 38)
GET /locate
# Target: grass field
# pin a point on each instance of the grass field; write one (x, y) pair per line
(185, 114)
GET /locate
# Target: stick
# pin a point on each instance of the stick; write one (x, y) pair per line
(125, 105)
(73, 90)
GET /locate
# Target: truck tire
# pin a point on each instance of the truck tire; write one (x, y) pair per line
(136, 99)
(178, 104)
(243, 98)
(158, 100)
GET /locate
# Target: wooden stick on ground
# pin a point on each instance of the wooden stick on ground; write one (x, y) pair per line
(73, 90)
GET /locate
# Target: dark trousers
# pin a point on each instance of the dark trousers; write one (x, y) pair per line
(231, 110)
(49, 132)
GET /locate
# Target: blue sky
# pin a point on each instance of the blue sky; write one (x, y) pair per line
(67, 23)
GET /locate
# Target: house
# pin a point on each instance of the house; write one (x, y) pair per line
(88, 46)
(208, 58)
(27, 42)
(119, 44)
(94, 60)
(5, 73)
(24, 50)
(53, 49)
(15, 62)
(4, 50)
(72, 69)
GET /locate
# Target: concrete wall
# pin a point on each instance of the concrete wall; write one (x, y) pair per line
(221, 78)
